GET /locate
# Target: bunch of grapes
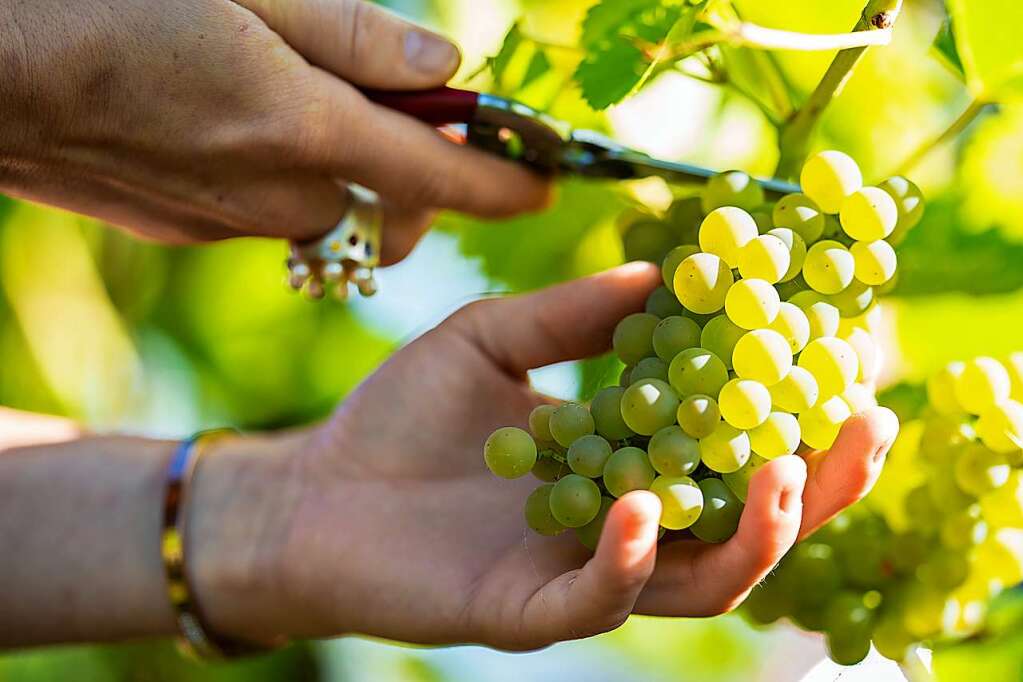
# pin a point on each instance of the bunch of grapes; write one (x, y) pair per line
(758, 342)
(940, 537)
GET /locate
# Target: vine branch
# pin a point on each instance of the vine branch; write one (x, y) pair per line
(961, 123)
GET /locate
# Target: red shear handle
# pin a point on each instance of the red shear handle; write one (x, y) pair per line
(437, 107)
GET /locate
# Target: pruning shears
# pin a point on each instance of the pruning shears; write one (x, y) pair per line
(518, 132)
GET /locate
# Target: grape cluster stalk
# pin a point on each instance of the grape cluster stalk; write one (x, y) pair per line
(942, 534)
(758, 344)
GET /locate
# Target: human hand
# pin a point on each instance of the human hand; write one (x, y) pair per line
(206, 119)
(391, 525)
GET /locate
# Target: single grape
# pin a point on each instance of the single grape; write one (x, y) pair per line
(540, 422)
(823, 317)
(1001, 555)
(1003, 507)
(797, 251)
(819, 426)
(673, 260)
(628, 469)
(732, 188)
(587, 455)
(766, 257)
(891, 639)
(979, 470)
(744, 403)
(829, 267)
(548, 468)
(964, 529)
(538, 512)
(509, 452)
(923, 610)
(673, 335)
(793, 325)
(832, 362)
(944, 569)
(941, 391)
(719, 336)
(648, 240)
(702, 282)
(799, 213)
(725, 450)
(724, 231)
(874, 262)
(663, 303)
(633, 337)
(673, 453)
(867, 354)
(697, 371)
(721, 511)
(698, 415)
(649, 368)
(848, 650)
(589, 535)
(762, 355)
(829, 177)
(606, 410)
(868, 214)
(859, 398)
(570, 421)
(910, 202)
(796, 392)
(779, 435)
(983, 383)
(684, 217)
(767, 604)
(681, 501)
(738, 481)
(649, 405)
(854, 300)
(752, 303)
(574, 501)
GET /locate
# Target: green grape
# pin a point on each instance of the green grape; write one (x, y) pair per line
(673, 260)
(1000, 427)
(744, 403)
(766, 603)
(923, 610)
(847, 617)
(859, 398)
(724, 231)
(945, 570)
(702, 282)
(738, 481)
(649, 405)
(681, 501)
(719, 336)
(828, 267)
(540, 422)
(762, 218)
(832, 228)
(964, 529)
(1014, 366)
(721, 511)
(910, 202)
(509, 452)
(606, 410)
(663, 303)
(633, 337)
(628, 469)
(848, 650)
(823, 317)
(625, 378)
(983, 383)
(832, 362)
(796, 392)
(752, 303)
(941, 389)
(589, 535)
(866, 351)
(697, 371)
(979, 470)
(725, 450)
(799, 213)
(1001, 555)
(632, 215)
(868, 214)
(797, 251)
(673, 335)
(732, 188)
(921, 509)
(874, 262)
(684, 217)
(762, 355)
(574, 501)
(698, 415)
(793, 326)
(570, 421)
(549, 468)
(648, 240)
(779, 435)
(891, 639)
(945, 491)
(538, 512)
(854, 300)
(766, 257)
(587, 455)
(908, 550)
(814, 568)
(819, 426)
(829, 177)
(673, 453)
(1003, 508)
(649, 368)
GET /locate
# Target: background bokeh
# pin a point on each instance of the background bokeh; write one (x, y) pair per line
(129, 336)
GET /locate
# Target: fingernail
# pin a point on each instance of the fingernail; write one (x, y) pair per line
(429, 53)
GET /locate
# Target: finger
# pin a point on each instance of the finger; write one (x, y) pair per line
(600, 596)
(703, 580)
(844, 474)
(565, 322)
(360, 42)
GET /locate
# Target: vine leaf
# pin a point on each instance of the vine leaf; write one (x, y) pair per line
(987, 39)
(519, 62)
(945, 48)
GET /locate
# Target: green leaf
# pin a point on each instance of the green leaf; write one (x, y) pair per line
(518, 63)
(596, 373)
(987, 35)
(500, 61)
(945, 48)
(905, 400)
(539, 65)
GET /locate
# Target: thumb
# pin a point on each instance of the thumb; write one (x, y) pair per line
(362, 43)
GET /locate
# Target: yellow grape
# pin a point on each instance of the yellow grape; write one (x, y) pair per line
(681, 501)
(874, 262)
(869, 214)
(854, 300)
(744, 403)
(1014, 366)
(1003, 507)
(820, 425)
(829, 267)
(673, 260)
(793, 325)
(1000, 427)
(724, 231)
(983, 383)
(738, 481)
(829, 177)
(796, 392)
(762, 355)
(800, 214)
(910, 201)
(766, 257)
(823, 317)
(941, 389)
(797, 251)
(732, 188)
(832, 362)
(779, 435)
(698, 415)
(867, 353)
(859, 398)
(726, 449)
(752, 303)
(702, 282)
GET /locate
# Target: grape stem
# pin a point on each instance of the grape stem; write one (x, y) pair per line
(878, 15)
(953, 131)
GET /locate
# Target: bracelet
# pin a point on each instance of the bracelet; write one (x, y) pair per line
(195, 637)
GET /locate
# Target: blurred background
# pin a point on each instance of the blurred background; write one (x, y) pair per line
(128, 336)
